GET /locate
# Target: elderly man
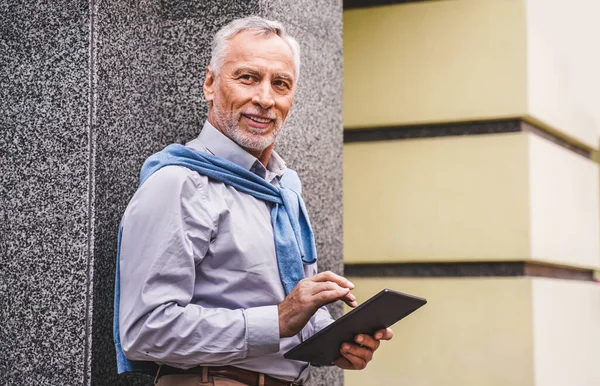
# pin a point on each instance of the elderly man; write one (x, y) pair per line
(217, 261)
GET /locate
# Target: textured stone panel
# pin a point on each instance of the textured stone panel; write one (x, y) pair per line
(311, 143)
(150, 69)
(126, 128)
(43, 192)
(146, 61)
(317, 17)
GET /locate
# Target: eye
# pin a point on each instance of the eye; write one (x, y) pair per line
(247, 78)
(282, 84)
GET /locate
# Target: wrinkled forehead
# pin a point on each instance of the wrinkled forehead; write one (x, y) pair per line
(268, 52)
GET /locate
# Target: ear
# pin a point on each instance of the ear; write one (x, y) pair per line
(209, 85)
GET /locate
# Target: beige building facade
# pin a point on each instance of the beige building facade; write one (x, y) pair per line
(471, 178)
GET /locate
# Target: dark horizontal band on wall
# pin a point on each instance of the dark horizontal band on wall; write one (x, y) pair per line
(350, 4)
(456, 129)
(471, 269)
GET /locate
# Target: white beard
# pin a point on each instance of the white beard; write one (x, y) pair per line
(253, 140)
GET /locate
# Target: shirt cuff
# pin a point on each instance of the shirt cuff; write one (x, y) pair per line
(262, 330)
(323, 322)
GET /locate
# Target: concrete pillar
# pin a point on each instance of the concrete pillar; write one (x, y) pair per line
(481, 119)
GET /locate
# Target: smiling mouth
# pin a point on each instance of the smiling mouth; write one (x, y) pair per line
(258, 119)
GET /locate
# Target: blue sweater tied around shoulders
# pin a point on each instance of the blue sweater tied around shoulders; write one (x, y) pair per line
(293, 235)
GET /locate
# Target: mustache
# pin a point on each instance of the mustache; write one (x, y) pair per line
(261, 112)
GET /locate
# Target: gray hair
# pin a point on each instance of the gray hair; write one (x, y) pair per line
(258, 25)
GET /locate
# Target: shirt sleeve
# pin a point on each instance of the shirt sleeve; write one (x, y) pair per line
(167, 228)
(321, 319)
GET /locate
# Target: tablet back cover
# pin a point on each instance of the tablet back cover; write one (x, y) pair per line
(380, 311)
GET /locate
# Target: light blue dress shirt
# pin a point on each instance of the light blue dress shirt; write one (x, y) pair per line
(199, 277)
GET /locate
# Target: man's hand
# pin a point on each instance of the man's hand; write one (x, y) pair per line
(308, 296)
(357, 356)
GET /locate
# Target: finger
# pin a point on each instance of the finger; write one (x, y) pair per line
(317, 287)
(385, 334)
(330, 276)
(343, 363)
(350, 300)
(326, 297)
(362, 352)
(344, 293)
(367, 341)
(356, 363)
(356, 355)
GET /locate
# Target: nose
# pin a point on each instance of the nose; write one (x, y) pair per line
(263, 95)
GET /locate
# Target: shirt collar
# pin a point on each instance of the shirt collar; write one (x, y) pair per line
(220, 145)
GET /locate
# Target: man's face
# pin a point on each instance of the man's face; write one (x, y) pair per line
(253, 92)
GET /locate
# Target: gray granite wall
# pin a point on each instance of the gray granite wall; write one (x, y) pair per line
(87, 91)
(44, 193)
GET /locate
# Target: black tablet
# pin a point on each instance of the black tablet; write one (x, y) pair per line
(380, 311)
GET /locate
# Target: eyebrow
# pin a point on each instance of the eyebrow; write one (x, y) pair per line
(284, 76)
(257, 73)
(246, 70)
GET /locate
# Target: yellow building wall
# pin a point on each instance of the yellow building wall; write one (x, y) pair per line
(465, 60)
(437, 199)
(488, 331)
(479, 198)
(563, 80)
(472, 331)
(563, 203)
(566, 332)
(501, 197)
(438, 61)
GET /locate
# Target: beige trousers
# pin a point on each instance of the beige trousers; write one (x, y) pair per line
(196, 380)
